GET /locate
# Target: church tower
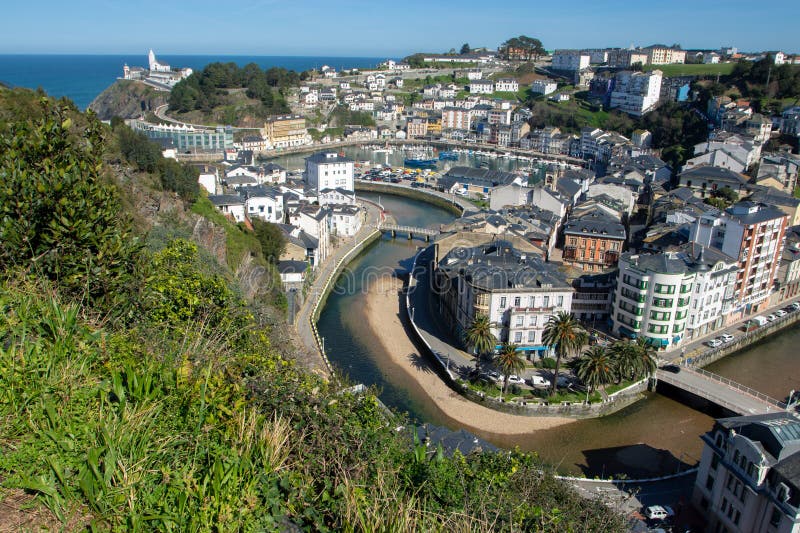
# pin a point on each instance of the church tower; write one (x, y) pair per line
(152, 60)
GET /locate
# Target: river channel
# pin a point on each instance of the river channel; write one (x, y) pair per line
(654, 436)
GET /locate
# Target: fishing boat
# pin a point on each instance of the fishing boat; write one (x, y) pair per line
(448, 156)
(420, 163)
(419, 158)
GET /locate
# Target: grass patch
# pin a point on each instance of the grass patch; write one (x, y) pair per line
(238, 241)
(616, 387)
(671, 71)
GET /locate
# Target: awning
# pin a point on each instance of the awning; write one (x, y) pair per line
(625, 332)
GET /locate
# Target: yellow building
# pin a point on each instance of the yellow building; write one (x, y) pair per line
(282, 131)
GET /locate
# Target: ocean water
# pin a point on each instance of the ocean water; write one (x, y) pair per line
(82, 77)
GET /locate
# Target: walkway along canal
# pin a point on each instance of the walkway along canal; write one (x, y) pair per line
(649, 438)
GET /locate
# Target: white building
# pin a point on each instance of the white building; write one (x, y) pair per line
(231, 205)
(519, 292)
(658, 55)
(636, 93)
(329, 170)
(508, 85)
(265, 203)
(571, 60)
(748, 477)
(208, 178)
(654, 293)
(481, 87)
(314, 220)
(336, 196)
(346, 220)
(753, 234)
(544, 86)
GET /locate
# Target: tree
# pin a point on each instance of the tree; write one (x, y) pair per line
(271, 238)
(59, 217)
(625, 358)
(465, 49)
(646, 360)
(595, 368)
(564, 335)
(509, 361)
(480, 338)
(523, 47)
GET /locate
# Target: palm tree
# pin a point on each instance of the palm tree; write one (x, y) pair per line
(596, 368)
(564, 335)
(480, 338)
(646, 360)
(509, 361)
(625, 358)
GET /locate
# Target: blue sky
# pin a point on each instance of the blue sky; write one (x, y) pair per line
(380, 28)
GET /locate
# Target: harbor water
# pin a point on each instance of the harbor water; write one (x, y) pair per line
(655, 436)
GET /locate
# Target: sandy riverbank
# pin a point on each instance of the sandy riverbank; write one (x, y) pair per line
(381, 309)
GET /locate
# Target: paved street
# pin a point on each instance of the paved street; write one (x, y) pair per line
(321, 275)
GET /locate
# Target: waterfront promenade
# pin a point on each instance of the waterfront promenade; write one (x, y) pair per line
(324, 277)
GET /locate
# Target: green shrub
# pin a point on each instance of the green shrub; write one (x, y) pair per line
(59, 217)
(548, 363)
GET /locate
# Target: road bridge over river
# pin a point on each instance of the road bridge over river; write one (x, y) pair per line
(722, 391)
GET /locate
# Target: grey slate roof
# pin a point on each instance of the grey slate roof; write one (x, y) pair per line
(764, 213)
(477, 176)
(718, 174)
(595, 224)
(321, 157)
(226, 199)
(292, 267)
(498, 265)
(778, 433)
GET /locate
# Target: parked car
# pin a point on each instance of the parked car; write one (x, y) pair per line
(538, 381)
(714, 343)
(771, 318)
(563, 381)
(726, 337)
(795, 306)
(494, 375)
(514, 379)
(780, 312)
(659, 512)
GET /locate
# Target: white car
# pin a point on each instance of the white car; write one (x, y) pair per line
(726, 337)
(514, 379)
(771, 318)
(659, 512)
(780, 313)
(714, 343)
(538, 381)
(795, 306)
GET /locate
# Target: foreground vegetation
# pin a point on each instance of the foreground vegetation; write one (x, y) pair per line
(139, 389)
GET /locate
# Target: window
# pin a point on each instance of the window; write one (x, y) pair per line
(714, 461)
(534, 320)
(736, 456)
(517, 337)
(532, 336)
(503, 302)
(709, 483)
(533, 302)
(520, 321)
(517, 301)
(546, 301)
(665, 289)
(560, 301)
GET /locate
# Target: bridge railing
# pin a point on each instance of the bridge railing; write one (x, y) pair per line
(702, 393)
(739, 387)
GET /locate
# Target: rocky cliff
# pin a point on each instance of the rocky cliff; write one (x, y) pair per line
(127, 99)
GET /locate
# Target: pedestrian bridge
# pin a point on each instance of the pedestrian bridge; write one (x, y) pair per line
(411, 231)
(724, 392)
